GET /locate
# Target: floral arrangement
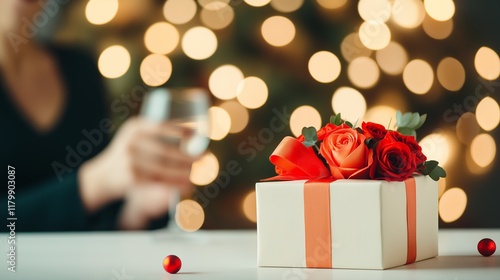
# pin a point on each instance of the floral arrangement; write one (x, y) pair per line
(340, 150)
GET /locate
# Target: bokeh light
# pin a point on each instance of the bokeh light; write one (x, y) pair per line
(451, 74)
(155, 70)
(161, 38)
(408, 13)
(239, 115)
(214, 5)
(392, 59)
(249, 207)
(363, 72)
(286, 6)
(189, 215)
(179, 11)
(441, 186)
(257, 3)
(332, 4)
(377, 10)
(374, 35)
(483, 149)
(324, 66)
(351, 47)
(224, 81)
(437, 29)
(278, 31)
(199, 43)
(204, 170)
(440, 10)
(487, 63)
(304, 116)
(418, 76)
(217, 19)
(252, 92)
(220, 123)
(452, 204)
(436, 146)
(488, 113)
(114, 62)
(101, 11)
(467, 128)
(381, 114)
(350, 103)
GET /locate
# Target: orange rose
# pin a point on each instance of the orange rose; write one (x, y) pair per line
(346, 153)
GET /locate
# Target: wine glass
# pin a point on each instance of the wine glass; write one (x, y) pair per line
(185, 110)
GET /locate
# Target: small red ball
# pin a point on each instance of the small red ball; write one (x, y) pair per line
(486, 247)
(172, 264)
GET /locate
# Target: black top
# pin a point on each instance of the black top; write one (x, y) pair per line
(46, 165)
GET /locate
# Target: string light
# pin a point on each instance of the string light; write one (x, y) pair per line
(249, 207)
(100, 12)
(161, 38)
(363, 72)
(278, 31)
(374, 35)
(452, 205)
(114, 62)
(487, 63)
(199, 43)
(155, 70)
(224, 81)
(239, 115)
(483, 149)
(451, 74)
(252, 92)
(350, 103)
(324, 66)
(204, 170)
(286, 6)
(304, 116)
(440, 10)
(179, 11)
(418, 76)
(408, 13)
(488, 113)
(392, 59)
(220, 123)
(189, 215)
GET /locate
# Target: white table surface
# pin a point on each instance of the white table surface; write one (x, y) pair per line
(217, 255)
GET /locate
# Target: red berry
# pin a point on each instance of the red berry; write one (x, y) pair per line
(486, 247)
(172, 264)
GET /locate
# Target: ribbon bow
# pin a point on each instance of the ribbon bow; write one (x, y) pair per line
(294, 161)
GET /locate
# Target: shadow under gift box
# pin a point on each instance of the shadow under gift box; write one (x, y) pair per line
(360, 224)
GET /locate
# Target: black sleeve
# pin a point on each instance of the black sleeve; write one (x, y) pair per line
(56, 206)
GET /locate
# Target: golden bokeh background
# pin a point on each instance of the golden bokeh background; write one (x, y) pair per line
(274, 66)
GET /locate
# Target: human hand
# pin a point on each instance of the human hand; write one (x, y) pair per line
(136, 156)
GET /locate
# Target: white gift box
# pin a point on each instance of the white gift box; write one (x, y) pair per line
(368, 224)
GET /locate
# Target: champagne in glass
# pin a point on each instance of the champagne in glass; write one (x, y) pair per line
(185, 111)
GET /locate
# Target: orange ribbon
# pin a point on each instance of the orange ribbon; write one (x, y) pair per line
(296, 162)
(411, 219)
(317, 224)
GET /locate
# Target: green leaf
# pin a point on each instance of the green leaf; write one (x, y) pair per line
(348, 123)
(429, 166)
(414, 120)
(437, 173)
(404, 120)
(310, 136)
(336, 119)
(399, 116)
(407, 131)
(422, 121)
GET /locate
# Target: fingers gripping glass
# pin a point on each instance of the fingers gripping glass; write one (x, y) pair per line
(185, 114)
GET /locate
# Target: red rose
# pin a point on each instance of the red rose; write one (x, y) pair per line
(393, 160)
(410, 141)
(374, 130)
(346, 153)
(323, 131)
